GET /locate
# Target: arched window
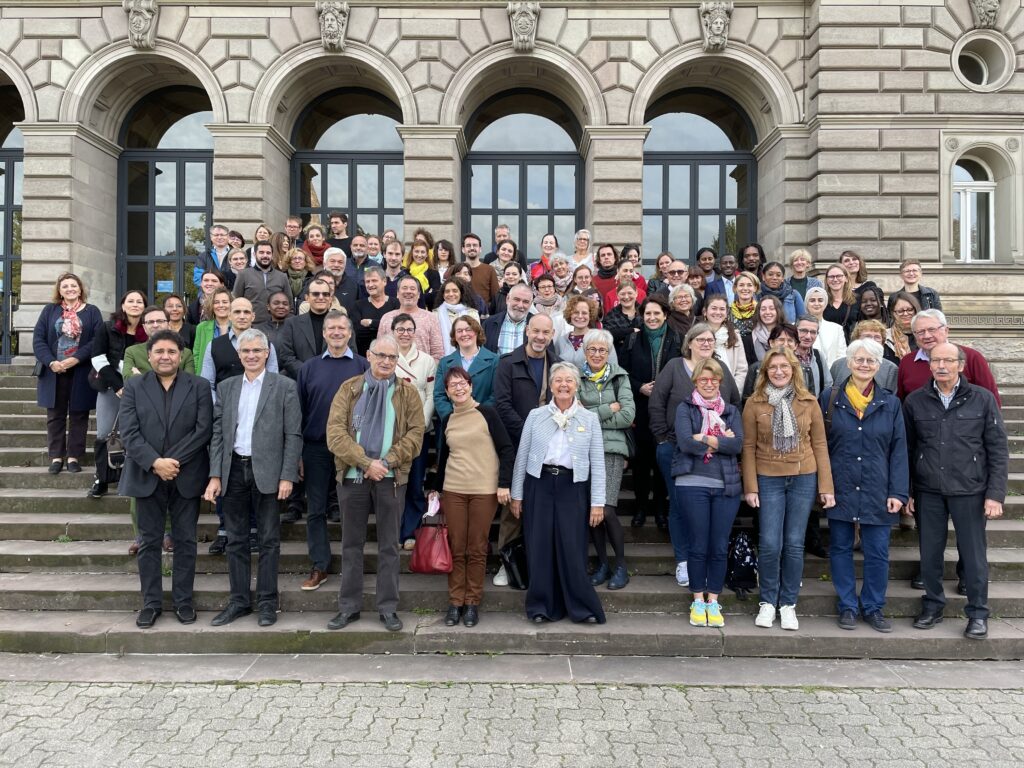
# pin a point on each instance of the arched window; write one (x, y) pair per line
(700, 176)
(165, 191)
(523, 169)
(349, 159)
(11, 177)
(974, 210)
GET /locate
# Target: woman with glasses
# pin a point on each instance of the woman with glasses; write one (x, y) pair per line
(579, 316)
(681, 299)
(899, 339)
(886, 375)
(841, 307)
(581, 250)
(547, 300)
(868, 451)
(467, 337)
(831, 340)
(729, 347)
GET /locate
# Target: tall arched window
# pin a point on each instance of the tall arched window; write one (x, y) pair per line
(700, 176)
(348, 159)
(11, 177)
(165, 191)
(974, 210)
(523, 169)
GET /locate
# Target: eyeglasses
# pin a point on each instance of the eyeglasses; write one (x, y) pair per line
(678, 271)
(596, 351)
(928, 331)
(458, 384)
(865, 361)
(787, 368)
(708, 380)
(319, 294)
(836, 277)
(904, 311)
(704, 342)
(385, 358)
(161, 321)
(404, 330)
(807, 331)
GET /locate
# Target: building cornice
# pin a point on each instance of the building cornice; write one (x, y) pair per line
(610, 132)
(249, 130)
(71, 129)
(448, 132)
(938, 122)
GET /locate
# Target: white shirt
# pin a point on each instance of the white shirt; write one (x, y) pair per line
(558, 450)
(248, 399)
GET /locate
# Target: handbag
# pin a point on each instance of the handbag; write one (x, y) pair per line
(513, 558)
(38, 369)
(95, 381)
(432, 553)
(115, 448)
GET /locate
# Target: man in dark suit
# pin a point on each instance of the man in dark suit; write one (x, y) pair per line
(505, 331)
(723, 284)
(257, 410)
(166, 421)
(302, 336)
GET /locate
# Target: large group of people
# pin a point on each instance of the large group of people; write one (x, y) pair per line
(338, 376)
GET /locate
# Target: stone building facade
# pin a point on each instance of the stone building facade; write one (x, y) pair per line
(889, 127)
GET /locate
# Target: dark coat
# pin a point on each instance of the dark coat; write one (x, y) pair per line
(44, 345)
(959, 451)
(295, 344)
(868, 457)
(492, 330)
(674, 386)
(688, 422)
(515, 393)
(112, 342)
(144, 430)
(636, 358)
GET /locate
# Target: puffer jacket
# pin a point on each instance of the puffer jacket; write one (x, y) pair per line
(688, 422)
(613, 423)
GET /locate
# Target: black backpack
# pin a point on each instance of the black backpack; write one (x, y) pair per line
(741, 568)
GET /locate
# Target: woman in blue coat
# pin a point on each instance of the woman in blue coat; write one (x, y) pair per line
(470, 354)
(867, 447)
(62, 342)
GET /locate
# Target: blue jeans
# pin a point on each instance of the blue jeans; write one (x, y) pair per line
(678, 530)
(785, 506)
(709, 516)
(874, 543)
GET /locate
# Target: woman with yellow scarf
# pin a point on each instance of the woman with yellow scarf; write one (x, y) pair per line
(419, 263)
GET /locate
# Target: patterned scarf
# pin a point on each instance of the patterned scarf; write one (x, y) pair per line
(370, 413)
(711, 422)
(562, 283)
(560, 417)
(71, 326)
(784, 435)
(859, 400)
(599, 377)
(742, 311)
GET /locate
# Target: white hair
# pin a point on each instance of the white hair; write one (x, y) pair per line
(868, 346)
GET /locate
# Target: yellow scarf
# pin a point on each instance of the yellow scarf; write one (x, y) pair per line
(743, 311)
(859, 400)
(419, 271)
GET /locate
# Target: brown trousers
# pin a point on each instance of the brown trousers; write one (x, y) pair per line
(469, 519)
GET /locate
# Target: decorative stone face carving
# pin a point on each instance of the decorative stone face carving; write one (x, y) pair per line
(714, 24)
(142, 19)
(333, 16)
(523, 18)
(985, 12)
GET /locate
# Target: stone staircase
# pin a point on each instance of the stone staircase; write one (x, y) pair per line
(67, 584)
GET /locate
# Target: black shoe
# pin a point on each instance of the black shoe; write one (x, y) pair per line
(815, 548)
(452, 617)
(334, 515)
(619, 579)
(74, 467)
(229, 614)
(471, 616)
(147, 618)
(291, 516)
(254, 544)
(98, 490)
(342, 620)
(57, 465)
(917, 582)
(661, 520)
(391, 622)
(847, 619)
(601, 575)
(186, 614)
(927, 620)
(961, 588)
(977, 629)
(638, 520)
(878, 622)
(218, 545)
(267, 616)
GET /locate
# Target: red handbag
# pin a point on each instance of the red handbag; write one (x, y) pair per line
(432, 553)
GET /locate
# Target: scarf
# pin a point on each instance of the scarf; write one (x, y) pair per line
(419, 271)
(70, 325)
(561, 418)
(607, 273)
(711, 422)
(296, 277)
(599, 378)
(576, 341)
(859, 400)
(742, 311)
(140, 332)
(782, 292)
(562, 283)
(446, 315)
(317, 252)
(784, 435)
(370, 414)
(760, 337)
(655, 339)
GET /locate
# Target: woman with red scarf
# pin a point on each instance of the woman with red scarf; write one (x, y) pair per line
(316, 243)
(62, 342)
(548, 247)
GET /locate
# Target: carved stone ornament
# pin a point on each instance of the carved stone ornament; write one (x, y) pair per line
(952, 144)
(142, 19)
(523, 18)
(714, 25)
(1012, 144)
(333, 16)
(984, 12)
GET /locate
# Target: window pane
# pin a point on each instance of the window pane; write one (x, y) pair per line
(679, 237)
(536, 228)
(508, 186)
(481, 223)
(737, 233)
(651, 238)
(137, 179)
(394, 182)
(982, 246)
(565, 186)
(138, 276)
(707, 232)
(195, 184)
(395, 222)
(309, 185)
(513, 229)
(652, 186)
(16, 234)
(523, 133)
(679, 186)
(565, 228)
(3, 232)
(732, 173)
(165, 275)
(367, 186)
(708, 184)
(481, 186)
(19, 182)
(166, 191)
(138, 234)
(537, 187)
(195, 236)
(166, 233)
(365, 222)
(337, 186)
(957, 245)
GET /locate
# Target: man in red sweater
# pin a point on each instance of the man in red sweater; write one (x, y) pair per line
(930, 330)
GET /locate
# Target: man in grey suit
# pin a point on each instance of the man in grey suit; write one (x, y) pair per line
(254, 459)
(166, 420)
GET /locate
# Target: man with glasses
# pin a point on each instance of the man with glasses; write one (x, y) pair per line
(375, 430)
(506, 330)
(927, 298)
(302, 336)
(136, 357)
(675, 275)
(959, 460)
(212, 260)
(293, 228)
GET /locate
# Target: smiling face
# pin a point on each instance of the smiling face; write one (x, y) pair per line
(682, 302)
(133, 305)
(222, 306)
(625, 271)
(373, 283)
(767, 313)
(744, 289)
(164, 358)
(773, 277)
(584, 279)
(597, 355)
(835, 279)
(582, 243)
(548, 245)
(654, 316)
(319, 296)
(708, 385)
(262, 233)
(563, 388)
(663, 261)
(561, 269)
(815, 304)
(337, 334)
(383, 359)
(807, 332)
(506, 252)
(209, 283)
(851, 262)
(315, 238)
(545, 289)
(520, 299)
(539, 332)
(452, 294)
(869, 306)
(706, 260)
(405, 332)
(751, 259)
(408, 293)
(929, 333)
(465, 336)
(780, 371)
(716, 310)
(175, 309)
(372, 246)
(70, 290)
(728, 265)
(219, 238)
(298, 261)
(677, 273)
(702, 346)
(253, 356)
(459, 389)
(238, 261)
(419, 252)
(580, 317)
(800, 265)
(293, 228)
(903, 312)
(512, 274)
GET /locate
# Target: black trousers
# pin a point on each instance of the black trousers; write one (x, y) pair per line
(968, 513)
(241, 497)
(65, 429)
(152, 513)
(556, 514)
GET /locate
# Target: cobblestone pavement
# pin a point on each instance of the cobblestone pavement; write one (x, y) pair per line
(382, 725)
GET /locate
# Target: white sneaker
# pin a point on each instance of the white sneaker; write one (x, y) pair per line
(682, 576)
(788, 615)
(765, 616)
(501, 578)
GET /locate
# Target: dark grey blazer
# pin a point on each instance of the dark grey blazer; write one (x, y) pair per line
(295, 344)
(187, 428)
(276, 432)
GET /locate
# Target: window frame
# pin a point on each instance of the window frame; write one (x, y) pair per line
(11, 208)
(962, 192)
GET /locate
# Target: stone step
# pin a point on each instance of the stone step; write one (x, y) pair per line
(8, 392)
(421, 594)
(32, 438)
(24, 406)
(115, 632)
(17, 369)
(18, 380)
(26, 481)
(21, 556)
(35, 422)
(35, 457)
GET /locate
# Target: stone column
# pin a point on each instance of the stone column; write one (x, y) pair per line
(251, 176)
(783, 191)
(69, 217)
(613, 161)
(433, 178)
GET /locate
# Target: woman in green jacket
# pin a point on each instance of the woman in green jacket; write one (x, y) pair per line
(606, 391)
(217, 320)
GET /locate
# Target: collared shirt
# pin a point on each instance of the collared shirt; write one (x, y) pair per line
(946, 399)
(347, 353)
(209, 370)
(248, 399)
(558, 450)
(922, 355)
(511, 335)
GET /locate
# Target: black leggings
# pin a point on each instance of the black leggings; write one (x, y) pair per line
(610, 530)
